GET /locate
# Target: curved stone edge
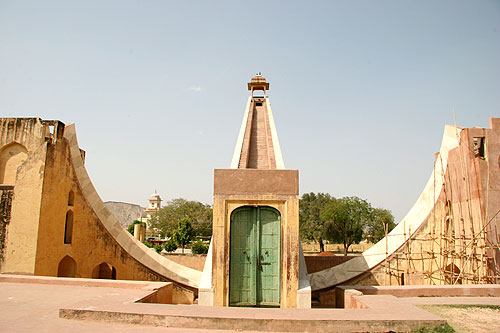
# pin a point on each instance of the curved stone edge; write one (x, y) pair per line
(276, 144)
(153, 261)
(241, 135)
(409, 225)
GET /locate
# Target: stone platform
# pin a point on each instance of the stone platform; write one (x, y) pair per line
(46, 304)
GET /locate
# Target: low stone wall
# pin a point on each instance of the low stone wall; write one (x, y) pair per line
(314, 263)
(337, 248)
(194, 261)
(344, 294)
(317, 263)
(154, 292)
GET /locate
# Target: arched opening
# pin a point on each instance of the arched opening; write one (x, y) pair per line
(104, 271)
(452, 274)
(67, 267)
(71, 198)
(68, 227)
(255, 257)
(11, 157)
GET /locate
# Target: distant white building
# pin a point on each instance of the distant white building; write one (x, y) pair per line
(153, 207)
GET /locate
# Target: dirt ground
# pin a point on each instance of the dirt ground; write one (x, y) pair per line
(469, 318)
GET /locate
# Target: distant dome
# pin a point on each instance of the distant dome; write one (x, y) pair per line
(155, 197)
(258, 78)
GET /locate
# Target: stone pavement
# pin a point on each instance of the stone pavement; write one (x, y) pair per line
(54, 307)
(35, 308)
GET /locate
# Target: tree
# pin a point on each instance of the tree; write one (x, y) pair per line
(345, 219)
(312, 227)
(380, 220)
(184, 233)
(200, 215)
(170, 245)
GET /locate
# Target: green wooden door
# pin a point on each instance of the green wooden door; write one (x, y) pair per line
(254, 276)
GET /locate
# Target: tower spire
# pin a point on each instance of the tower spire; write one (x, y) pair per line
(258, 145)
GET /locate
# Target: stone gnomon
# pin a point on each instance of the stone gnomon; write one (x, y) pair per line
(255, 257)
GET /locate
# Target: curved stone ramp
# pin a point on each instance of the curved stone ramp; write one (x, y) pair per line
(157, 263)
(417, 215)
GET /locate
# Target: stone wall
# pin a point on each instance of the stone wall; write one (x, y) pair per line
(457, 241)
(58, 224)
(450, 236)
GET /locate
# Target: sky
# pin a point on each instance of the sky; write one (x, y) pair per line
(360, 90)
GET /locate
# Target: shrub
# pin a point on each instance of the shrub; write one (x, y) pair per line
(158, 248)
(148, 244)
(170, 246)
(198, 247)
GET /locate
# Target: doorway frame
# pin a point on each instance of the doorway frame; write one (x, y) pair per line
(257, 252)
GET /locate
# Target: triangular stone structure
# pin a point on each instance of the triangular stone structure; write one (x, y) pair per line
(255, 256)
(258, 145)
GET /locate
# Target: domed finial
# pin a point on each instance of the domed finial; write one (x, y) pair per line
(258, 82)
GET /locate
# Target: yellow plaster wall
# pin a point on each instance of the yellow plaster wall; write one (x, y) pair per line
(21, 240)
(91, 244)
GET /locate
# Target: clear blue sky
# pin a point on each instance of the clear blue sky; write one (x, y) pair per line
(361, 90)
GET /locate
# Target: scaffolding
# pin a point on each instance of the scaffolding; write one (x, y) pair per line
(458, 241)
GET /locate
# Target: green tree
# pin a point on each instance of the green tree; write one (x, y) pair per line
(184, 233)
(170, 245)
(166, 219)
(312, 227)
(380, 220)
(345, 220)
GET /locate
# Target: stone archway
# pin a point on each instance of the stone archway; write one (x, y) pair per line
(11, 157)
(104, 271)
(452, 274)
(67, 267)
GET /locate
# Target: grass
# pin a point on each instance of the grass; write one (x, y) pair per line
(453, 325)
(439, 329)
(469, 306)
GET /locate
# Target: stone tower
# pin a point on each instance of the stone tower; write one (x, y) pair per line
(153, 207)
(255, 257)
(154, 204)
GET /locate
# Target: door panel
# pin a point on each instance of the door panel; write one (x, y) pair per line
(243, 257)
(269, 250)
(254, 277)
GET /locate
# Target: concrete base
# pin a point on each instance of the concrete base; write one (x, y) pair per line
(206, 292)
(304, 292)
